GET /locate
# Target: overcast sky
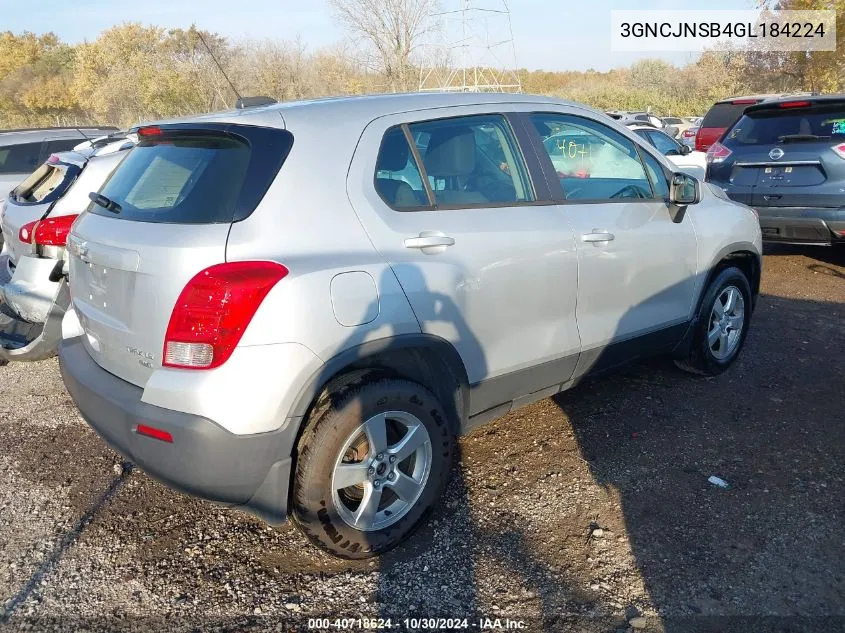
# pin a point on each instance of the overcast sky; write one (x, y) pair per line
(549, 34)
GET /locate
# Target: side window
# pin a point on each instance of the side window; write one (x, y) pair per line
(61, 145)
(656, 175)
(643, 134)
(472, 161)
(19, 159)
(663, 143)
(593, 161)
(398, 178)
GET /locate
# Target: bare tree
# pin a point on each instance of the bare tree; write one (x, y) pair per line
(394, 28)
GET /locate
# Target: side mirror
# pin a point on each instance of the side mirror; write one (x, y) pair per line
(685, 190)
(685, 149)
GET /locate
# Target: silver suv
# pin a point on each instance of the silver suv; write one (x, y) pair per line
(296, 309)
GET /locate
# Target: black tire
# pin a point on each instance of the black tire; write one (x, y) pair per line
(701, 359)
(312, 503)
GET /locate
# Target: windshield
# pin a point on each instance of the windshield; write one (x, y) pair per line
(772, 126)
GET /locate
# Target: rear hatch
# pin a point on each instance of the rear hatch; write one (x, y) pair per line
(788, 154)
(34, 197)
(162, 216)
(718, 119)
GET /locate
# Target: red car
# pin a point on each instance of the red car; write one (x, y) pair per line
(723, 114)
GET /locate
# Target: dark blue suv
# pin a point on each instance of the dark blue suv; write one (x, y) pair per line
(786, 159)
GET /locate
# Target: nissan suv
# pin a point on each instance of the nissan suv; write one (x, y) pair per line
(298, 332)
(786, 158)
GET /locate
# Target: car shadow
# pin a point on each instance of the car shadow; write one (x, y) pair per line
(760, 554)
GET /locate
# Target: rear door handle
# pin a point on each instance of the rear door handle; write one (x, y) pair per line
(427, 240)
(598, 235)
(768, 196)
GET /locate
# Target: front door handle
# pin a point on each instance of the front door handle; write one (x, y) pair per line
(598, 235)
(429, 239)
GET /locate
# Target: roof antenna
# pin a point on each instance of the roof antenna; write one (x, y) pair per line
(219, 67)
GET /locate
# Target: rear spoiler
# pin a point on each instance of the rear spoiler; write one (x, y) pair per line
(797, 103)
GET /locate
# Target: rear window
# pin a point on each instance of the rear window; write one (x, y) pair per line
(19, 159)
(776, 125)
(46, 183)
(724, 114)
(192, 174)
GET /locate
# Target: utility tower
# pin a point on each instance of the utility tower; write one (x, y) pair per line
(470, 48)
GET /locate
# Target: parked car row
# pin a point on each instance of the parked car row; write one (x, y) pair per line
(303, 334)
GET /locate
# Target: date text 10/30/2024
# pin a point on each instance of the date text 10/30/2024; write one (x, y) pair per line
(417, 624)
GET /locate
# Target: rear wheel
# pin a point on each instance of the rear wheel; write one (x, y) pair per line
(723, 320)
(371, 464)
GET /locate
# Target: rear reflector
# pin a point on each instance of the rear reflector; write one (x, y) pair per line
(839, 149)
(150, 130)
(794, 104)
(213, 311)
(151, 431)
(25, 234)
(54, 231)
(717, 153)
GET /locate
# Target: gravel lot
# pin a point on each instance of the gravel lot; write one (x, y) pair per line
(578, 513)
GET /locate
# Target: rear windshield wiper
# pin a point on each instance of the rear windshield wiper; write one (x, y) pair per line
(107, 203)
(797, 138)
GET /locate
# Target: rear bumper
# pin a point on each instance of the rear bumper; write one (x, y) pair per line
(25, 340)
(205, 460)
(802, 225)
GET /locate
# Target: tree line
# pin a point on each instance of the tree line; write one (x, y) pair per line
(132, 72)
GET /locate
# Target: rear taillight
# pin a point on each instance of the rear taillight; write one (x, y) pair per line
(54, 231)
(25, 234)
(745, 101)
(150, 130)
(839, 149)
(794, 104)
(213, 311)
(717, 153)
(689, 133)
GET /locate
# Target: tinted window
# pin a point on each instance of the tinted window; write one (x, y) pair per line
(192, 179)
(723, 114)
(472, 161)
(398, 178)
(768, 127)
(593, 161)
(663, 143)
(19, 159)
(62, 145)
(656, 175)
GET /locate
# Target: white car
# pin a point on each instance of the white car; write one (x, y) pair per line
(682, 156)
(35, 220)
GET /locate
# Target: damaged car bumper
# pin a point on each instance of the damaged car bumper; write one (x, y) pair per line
(32, 306)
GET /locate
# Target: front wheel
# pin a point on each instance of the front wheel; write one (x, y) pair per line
(370, 466)
(723, 321)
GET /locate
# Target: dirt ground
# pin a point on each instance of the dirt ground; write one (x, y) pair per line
(588, 512)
